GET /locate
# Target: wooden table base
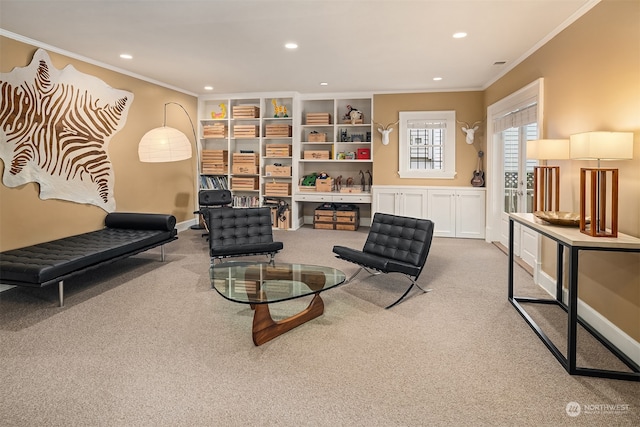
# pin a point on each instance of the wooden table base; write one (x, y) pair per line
(266, 329)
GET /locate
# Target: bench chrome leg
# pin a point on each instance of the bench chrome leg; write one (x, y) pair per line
(61, 292)
(162, 252)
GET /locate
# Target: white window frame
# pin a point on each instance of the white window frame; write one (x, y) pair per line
(449, 169)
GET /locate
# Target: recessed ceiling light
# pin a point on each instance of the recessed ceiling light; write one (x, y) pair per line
(126, 56)
(208, 88)
(437, 79)
(460, 35)
(324, 84)
(291, 46)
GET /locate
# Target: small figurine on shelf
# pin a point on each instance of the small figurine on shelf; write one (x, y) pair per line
(370, 179)
(279, 110)
(220, 115)
(362, 180)
(353, 115)
(350, 182)
(338, 182)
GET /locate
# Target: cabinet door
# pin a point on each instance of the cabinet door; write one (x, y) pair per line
(385, 201)
(442, 211)
(470, 214)
(414, 204)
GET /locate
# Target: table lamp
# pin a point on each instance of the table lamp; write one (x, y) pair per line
(546, 179)
(600, 146)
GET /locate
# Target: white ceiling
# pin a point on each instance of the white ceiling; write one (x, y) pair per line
(354, 45)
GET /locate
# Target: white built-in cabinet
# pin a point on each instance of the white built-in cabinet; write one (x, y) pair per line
(455, 211)
(405, 201)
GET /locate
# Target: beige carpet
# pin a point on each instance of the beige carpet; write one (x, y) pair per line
(145, 343)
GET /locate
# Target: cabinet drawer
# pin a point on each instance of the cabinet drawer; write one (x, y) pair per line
(314, 198)
(353, 199)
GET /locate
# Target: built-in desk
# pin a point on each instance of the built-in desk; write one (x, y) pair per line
(574, 241)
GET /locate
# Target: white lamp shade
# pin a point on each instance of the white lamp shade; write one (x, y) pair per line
(548, 149)
(164, 144)
(602, 146)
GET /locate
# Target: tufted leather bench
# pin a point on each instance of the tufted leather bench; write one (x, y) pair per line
(241, 231)
(125, 234)
(395, 244)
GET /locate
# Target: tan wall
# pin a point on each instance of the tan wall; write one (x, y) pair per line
(468, 107)
(591, 75)
(138, 187)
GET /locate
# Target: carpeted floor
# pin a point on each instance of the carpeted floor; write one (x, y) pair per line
(145, 343)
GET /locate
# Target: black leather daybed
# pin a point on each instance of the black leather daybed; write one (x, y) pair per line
(125, 234)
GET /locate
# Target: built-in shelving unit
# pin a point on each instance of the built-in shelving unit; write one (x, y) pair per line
(247, 145)
(274, 127)
(334, 142)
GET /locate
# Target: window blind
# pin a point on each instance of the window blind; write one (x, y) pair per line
(517, 118)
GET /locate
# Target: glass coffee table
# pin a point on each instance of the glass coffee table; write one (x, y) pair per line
(261, 284)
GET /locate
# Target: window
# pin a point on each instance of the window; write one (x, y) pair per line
(427, 144)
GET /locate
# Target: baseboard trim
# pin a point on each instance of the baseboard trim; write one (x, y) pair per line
(615, 335)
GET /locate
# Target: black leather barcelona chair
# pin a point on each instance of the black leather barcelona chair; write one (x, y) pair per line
(395, 244)
(235, 232)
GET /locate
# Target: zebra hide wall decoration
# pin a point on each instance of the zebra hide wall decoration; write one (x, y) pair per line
(55, 127)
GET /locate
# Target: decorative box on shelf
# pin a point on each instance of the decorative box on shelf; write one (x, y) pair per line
(244, 169)
(317, 155)
(318, 119)
(272, 170)
(244, 183)
(352, 189)
(246, 112)
(324, 185)
(277, 131)
(215, 162)
(246, 158)
(217, 130)
(317, 137)
(246, 131)
(363, 154)
(278, 150)
(282, 189)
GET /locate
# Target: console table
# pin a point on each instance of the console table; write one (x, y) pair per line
(575, 242)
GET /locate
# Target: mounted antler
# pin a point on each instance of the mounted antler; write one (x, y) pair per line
(385, 131)
(469, 130)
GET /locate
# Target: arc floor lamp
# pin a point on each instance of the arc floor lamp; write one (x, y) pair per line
(167, 144)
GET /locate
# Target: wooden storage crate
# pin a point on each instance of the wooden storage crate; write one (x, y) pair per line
(244, 169)
(317, 137)
(336, 219)
(246, 158)
(318, 119)
(272, 170)
(278, 150)
(214, 162)
(282, 189)
(244, 183)
(324, 185)
(278, 130)
(245, 112)
(246, 131)
(317, 155)
(217, 130)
